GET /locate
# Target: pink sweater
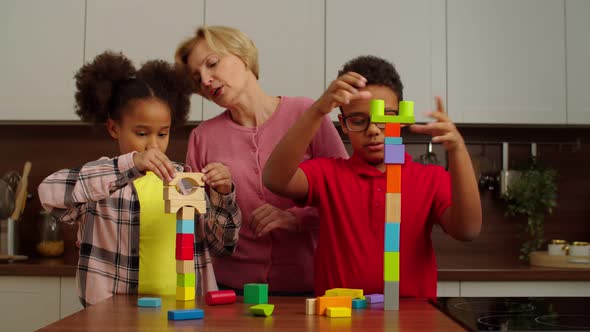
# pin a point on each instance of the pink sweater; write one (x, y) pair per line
(282, 259)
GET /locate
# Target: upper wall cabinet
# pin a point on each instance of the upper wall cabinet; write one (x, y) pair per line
(289, 36)
(506, 61)
(143, 30)
(409, 33)
(578, 53)
(42, 47)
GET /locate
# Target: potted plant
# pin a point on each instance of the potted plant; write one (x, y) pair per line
(533, 194)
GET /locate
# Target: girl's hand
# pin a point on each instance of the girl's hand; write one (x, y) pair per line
(156, 161)
(218, 177)
(342, 91)
(442, 130)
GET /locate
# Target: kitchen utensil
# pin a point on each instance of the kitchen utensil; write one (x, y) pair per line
(6, 200)
(20, 198)
(429, 158)
(12, 178)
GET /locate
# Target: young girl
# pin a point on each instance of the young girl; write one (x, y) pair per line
(126, 240)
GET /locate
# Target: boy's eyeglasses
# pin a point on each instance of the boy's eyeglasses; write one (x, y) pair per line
(361, 121)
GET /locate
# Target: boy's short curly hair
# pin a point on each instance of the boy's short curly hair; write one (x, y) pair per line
(377, 71)
(106, 85)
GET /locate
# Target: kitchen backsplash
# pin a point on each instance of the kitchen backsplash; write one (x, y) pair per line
(52, 147)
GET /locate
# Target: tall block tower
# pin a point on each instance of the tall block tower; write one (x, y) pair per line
(394, 158)
(185, 203)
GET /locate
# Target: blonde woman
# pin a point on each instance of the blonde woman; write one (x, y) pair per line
(278, 241)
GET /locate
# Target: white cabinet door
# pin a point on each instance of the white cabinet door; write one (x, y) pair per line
(143, 30)
(42, 47)
(506, 61)
(578, 53)
(28, 303)
(289, 36)
(409, 33)
(70, 303)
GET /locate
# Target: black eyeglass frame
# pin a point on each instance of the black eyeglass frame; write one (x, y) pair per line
(367, 117)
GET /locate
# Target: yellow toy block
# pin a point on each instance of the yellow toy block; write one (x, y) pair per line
(324, 302)
(310, 306)
(338, 312)
(352, 292)
(185, 293)
(393, 207)
(184, 267)
(391, 266)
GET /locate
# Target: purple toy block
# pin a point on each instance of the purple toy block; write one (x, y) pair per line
(395, 154)
(374, 298)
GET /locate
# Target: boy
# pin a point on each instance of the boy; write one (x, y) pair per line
(350, 194)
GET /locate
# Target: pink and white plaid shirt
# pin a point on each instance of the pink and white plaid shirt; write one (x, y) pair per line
(100, 196)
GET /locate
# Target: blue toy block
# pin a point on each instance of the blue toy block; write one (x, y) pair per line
(149, 302)
(359, 304)
(185, 226)
(393, 140)
(395, 154)
(392, 236)
(185, 314)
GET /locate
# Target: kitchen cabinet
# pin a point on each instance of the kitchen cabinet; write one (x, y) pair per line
(506, 61)
(409, 33)
(289, 36)
(448, 288)
(525, 288)
(143, 30)
(69, 301)
(578, 53)
(42, 47)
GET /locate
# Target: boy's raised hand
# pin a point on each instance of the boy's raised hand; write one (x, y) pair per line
(342, 91)
(443, 130)
(156, 161)
(217, 176)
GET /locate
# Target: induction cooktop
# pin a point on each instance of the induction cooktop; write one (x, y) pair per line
(517, 313)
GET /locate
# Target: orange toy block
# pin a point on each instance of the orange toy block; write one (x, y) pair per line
(394, 178)
(392, 130)
(393, 207)
(324, 302)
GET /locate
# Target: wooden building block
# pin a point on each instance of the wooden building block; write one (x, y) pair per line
(185, 293)
(195, 177)
(394, 178)
(332, 301)
(185, 279)
(186, 213)
(256, 293)
(393, 130)
(310, 306)
(185, 266)
(391, 298)
(338, 312)
(359, 304)
(152, 302)
(171, 194)
(185, 314)
(391, 266)
(185, 226)
(352, 292)
(175, 205)
(392, 230)
(262, 309)
(395, 154)
(393, 207)
(374, 298)
(185, 253)
(226, 296)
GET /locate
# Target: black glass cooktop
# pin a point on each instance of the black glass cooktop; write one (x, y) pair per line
(518, 313)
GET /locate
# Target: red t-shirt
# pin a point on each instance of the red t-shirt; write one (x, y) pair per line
(350, 197)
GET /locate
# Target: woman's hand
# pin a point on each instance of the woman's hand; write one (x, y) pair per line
(443, 130)
(218, 177)
(266, 218)
(156, 161)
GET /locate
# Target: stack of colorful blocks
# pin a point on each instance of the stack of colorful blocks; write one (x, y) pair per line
(394, 158)
(184, 205)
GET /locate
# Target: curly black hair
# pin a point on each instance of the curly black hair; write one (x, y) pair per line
(377, 71)
(106, 85)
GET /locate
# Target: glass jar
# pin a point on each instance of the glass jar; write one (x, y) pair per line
(51, 243)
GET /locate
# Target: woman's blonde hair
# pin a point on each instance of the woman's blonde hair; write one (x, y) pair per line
(222, 40)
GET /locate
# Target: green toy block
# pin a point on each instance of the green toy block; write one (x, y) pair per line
(406, 112)
(256, 293)
(392, 119)
(391, 266)
(185, 279)
(406, 108)
(262, 309)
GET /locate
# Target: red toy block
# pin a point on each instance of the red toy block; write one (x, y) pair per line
(220, 297)
(185, 240)
(392, 130)
(184, 254)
